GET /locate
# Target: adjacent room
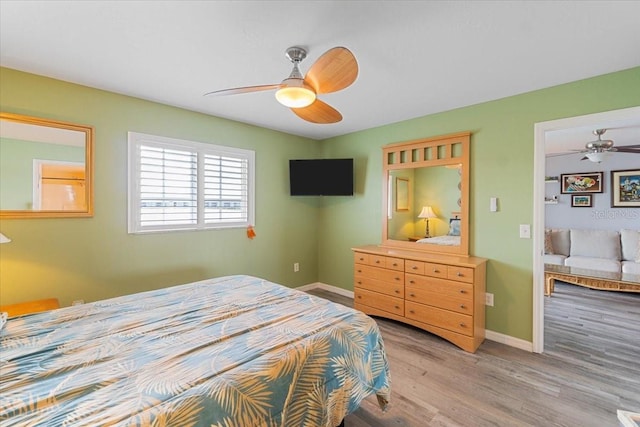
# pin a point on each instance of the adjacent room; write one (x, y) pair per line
(336, 213)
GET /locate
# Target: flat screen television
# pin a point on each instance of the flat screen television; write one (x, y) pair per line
(321, 177)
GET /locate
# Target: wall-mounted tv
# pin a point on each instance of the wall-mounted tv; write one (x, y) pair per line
(321, 177)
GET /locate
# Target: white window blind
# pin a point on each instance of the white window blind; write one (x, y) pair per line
(176, 185)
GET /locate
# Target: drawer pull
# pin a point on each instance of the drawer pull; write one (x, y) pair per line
(435, 270)
(359, 271)
(398, 278)
(359, 282)
(359, 296)
(397, 291)
(462, 291)
(462, 325)
(414, 267)
(377, 261)
(412, 295)
(412, 281)
(412, 312)
(395, 264)
(397, 307)
(459, 274)
(462, 306)
(361, 259)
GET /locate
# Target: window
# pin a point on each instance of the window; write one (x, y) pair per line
(184, 185)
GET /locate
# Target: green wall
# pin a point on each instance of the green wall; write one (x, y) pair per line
(501, 166)
(95, 258)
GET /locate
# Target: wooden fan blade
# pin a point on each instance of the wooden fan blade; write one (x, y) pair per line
(239, 90)
(336, 69)
(628, 149)
(318, 112)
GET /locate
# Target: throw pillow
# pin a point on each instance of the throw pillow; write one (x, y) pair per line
(454, 227)
(548, 245)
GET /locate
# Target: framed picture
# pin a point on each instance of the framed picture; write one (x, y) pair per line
(581, 201)
(625, 188)
(402, 194)
(590, 182)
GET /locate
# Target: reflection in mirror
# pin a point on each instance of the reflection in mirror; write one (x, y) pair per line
(437, 187)
(434, 172)
(45, 168)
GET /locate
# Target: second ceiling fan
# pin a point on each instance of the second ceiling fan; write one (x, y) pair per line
(335, 70)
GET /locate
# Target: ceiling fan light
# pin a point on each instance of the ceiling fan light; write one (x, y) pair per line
(597, 157)
(295, 94)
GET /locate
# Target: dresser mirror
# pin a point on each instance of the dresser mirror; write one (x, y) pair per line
(426, 194)
(46, 168)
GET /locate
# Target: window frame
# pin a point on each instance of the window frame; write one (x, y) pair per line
(136, 139)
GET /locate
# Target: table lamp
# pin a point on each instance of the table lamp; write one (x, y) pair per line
(427, 213)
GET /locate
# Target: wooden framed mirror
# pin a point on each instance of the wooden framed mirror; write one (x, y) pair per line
(46, 168)
(436, 171)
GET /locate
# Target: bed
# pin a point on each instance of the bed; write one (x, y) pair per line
(452, 238)
(230, 351)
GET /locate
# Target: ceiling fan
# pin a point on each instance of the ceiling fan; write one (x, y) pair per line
(596, 151)
(335, 70)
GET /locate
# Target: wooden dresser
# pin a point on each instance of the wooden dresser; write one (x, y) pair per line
(442, 294)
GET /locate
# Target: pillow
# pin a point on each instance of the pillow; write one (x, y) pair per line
(3, 319)
(454, 227)
(548, 244)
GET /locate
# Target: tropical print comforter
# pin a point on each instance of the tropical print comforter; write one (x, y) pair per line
(233, 351)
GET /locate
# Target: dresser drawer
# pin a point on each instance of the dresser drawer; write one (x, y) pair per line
(435, 270)
(440, 293)
(379, 301)
(456, 322)
(382, 274)
(461, 274)
(361, 258)
(387, 288)
(415, 267)
(394, 263)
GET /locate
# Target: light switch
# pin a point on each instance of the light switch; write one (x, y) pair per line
(493, 204)
(525, 231)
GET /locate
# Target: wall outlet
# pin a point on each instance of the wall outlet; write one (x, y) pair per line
(488, 299)
(525, 231)
(78, 302)
(296, 267)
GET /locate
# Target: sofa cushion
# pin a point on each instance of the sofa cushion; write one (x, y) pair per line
(590, 263)
(554, 259)
(548, 244)
(561, 242)
(630, 240)
(631, 267)
(595, 244)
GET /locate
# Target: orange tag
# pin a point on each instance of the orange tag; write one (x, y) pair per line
(251, 233)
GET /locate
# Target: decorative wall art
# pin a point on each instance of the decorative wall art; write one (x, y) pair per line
(625, 188)
(581, 201)
(402, 194)
(590, 182)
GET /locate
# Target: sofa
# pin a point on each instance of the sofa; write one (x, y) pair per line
(603, 250)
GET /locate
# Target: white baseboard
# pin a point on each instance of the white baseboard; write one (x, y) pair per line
(324, 286)
(509, 340)
(490, 335)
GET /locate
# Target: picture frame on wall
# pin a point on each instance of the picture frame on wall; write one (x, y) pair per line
(402, 194)
(625, 188)
(588, 182)
(581, 201)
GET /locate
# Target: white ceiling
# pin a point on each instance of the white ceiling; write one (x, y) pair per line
(415, 57)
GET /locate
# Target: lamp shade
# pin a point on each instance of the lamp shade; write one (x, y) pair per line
(295, 94)
(597, 157)
(4, 239)
(427, 212)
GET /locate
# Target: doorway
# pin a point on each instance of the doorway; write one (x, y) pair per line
(609, 119)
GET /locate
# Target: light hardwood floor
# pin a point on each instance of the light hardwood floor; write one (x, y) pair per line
(590, 369)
